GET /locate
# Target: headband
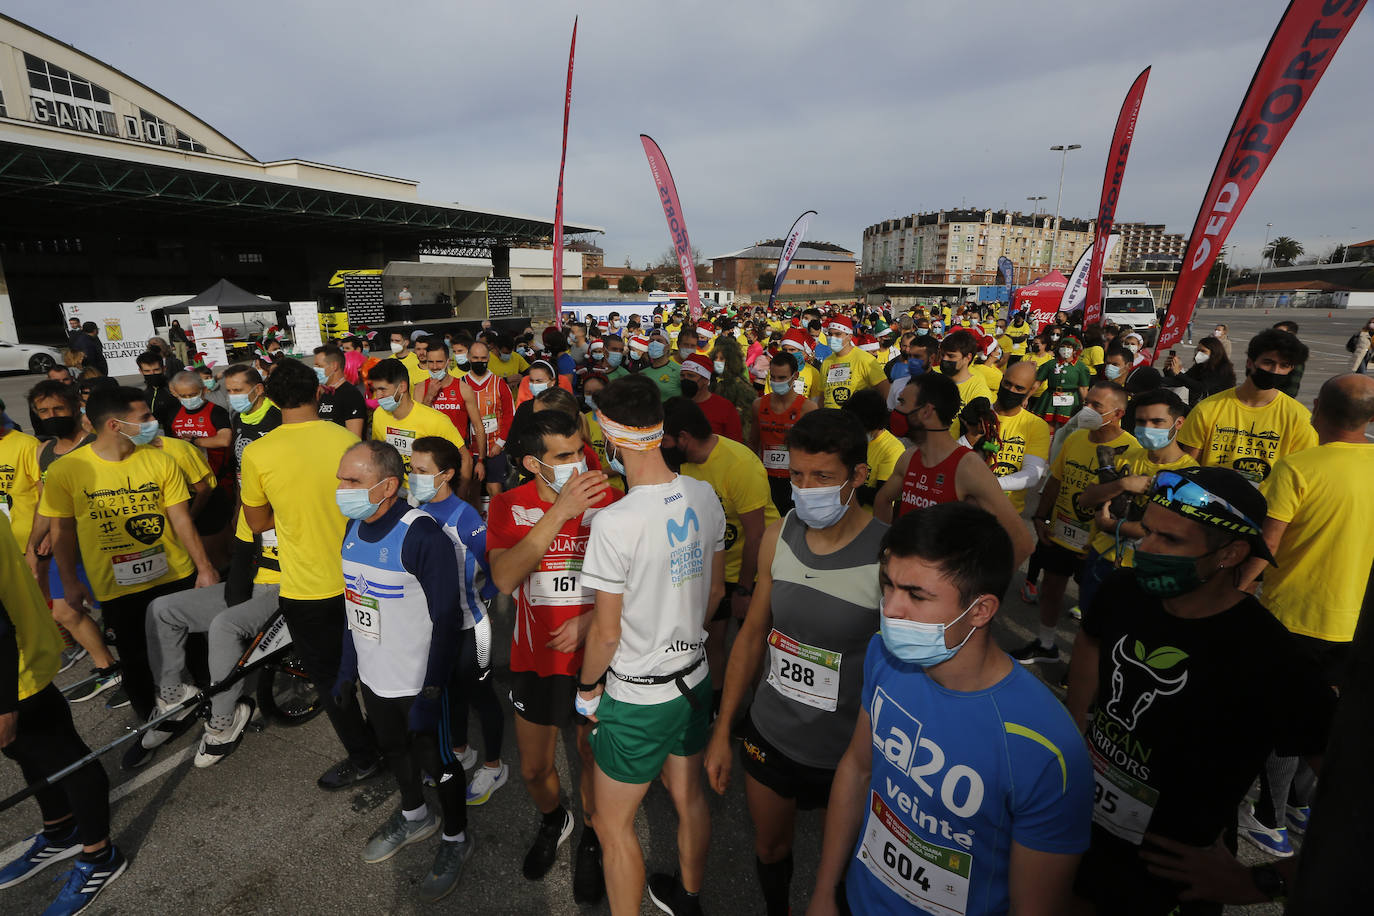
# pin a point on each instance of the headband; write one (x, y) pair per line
(634, 438)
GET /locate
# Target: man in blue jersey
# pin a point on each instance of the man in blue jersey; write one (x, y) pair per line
(404, 625)
(966, 788)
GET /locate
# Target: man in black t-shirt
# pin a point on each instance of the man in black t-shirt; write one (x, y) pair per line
(340, 401)
(1184, 667)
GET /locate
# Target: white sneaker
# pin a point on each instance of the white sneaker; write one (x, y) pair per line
(155, 737)
(487, 781)
(468, 759)
(217, 744)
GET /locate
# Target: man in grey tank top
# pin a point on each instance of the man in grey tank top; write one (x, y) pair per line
(814, 610)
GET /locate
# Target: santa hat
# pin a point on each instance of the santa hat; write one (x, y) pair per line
(699, 364)
(799, 339)
(706, 329)
(639, 343)
(840, 324)
(596, 345)
(869, 344)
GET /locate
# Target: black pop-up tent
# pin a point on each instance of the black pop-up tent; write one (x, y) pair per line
(244, 316)
(227, 297)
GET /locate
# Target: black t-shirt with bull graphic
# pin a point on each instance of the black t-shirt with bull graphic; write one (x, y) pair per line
(1187, 711)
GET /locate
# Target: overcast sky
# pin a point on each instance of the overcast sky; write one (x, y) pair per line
(862, 111)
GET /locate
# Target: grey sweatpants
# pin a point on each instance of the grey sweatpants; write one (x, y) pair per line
(228, 629)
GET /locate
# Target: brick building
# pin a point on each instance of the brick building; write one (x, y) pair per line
(814, 272)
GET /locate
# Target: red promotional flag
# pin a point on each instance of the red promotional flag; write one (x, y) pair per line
(677, 226)
(1111, 194)
(558, 206)
(1301, 49)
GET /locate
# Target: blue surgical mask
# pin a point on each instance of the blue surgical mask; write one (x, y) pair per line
(819, 507)
(613, 461)
(211, 383)
(1111, 371)
(147, 432)
(1153, 439)
(614, 359)
(590, 402)
(356, 502)
(424, 487)
(460, 358)
(686, 351)
(438, 374)
(503, 356)
(920, 643)
(388, 403)
(195, 403)
(562, 473)
(537, 388)
(779, 388)
(835, 341)
(321, 376)
(240, 403)
(656, 349)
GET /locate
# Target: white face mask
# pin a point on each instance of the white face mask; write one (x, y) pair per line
(1201, 356)
(719, 366)
(397, 347)
(562, 473)
(1090, 419)
(1065, 352)
(819, 507)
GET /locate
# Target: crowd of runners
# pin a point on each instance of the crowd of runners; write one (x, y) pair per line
(772, 538)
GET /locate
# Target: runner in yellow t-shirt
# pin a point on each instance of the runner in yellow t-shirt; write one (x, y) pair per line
(400, 420)
(19, 476)
(1023, 439)
(847, 369)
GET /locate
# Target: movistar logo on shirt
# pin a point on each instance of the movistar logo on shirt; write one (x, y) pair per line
(678, 532)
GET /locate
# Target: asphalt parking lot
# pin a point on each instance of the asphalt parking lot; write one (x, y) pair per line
(254, 834)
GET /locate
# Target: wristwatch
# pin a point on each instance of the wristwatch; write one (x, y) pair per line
(1270, 882)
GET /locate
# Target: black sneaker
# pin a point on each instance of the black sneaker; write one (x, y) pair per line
(669, 896)
(346, 773)
(137, 756)
(118, 699)
(1032, 652)
(589, 882)
(540, 858)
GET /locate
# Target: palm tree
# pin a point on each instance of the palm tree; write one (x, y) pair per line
(1283, 251)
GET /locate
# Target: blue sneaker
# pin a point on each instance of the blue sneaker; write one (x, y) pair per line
(1273, 840)
(1298, 816)
(85, 882)
(41, 853)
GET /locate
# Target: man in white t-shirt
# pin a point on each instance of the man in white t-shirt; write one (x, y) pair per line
(656, 560)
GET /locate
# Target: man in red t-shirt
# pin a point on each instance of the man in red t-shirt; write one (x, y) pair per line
(200, 422)
(720, 413)
(536, 539)
(494, 410)
(443, 392)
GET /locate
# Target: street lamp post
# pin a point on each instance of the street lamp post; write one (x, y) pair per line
(1035, 204)
(1267, 227)
(1063, 159)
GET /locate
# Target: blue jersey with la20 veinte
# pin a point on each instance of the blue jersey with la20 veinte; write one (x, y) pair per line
(957, 777)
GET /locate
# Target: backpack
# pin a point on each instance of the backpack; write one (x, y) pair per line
(1352, 342)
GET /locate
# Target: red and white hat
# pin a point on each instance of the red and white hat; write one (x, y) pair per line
(700, 364)
(639, 343)
(596, 345)
(840, 324)
(867, 343)
(799, 339)
(706, 329)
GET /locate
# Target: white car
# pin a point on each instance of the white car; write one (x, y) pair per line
(24, 357)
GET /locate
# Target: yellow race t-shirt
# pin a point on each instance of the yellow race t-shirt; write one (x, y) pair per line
(1020, 435)
(737, 475)
(188, 457)
(1137, 464)
(1326, 497)
(974, 387)
(1039, 359)
(40, 646)
(1229, 434)
(992, 376)
(19, 476)
(844, 375)
(1093, 357)
(884, 451)
(120, 508)
(269, 556)
(1076, 469)
(808, 383)
(418, 373)
(420, 422)
(294, 468)
(509, 368)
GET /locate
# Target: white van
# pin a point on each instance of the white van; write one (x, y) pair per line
(1130, 307)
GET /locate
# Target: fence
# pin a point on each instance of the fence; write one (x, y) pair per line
(1301, 299)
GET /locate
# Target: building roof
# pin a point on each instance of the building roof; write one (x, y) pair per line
(771, 252)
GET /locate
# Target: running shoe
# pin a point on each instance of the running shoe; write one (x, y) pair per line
(1032, 653)
(118, 699)
(168, 728)
(1273, 840)
(469, 760)
(85, 882)
(669, 896)
(42, 852)
(1298, 816)
(106, 679)
(1029, 593)
(136, 756)
(542, 854)
(448, 864)
(346, 773)
(398, 833)
(589, 881)
(486, 781)
(216, 744)
(71, 657)
(1076, 612)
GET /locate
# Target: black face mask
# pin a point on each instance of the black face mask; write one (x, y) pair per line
(675, 457)
(689, 388)
(157, 380)
(478, 368)
(57, 427)
(949, 366)
(1009, 400)
(1265, 380)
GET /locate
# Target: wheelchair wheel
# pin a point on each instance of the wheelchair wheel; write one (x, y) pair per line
(286, 695)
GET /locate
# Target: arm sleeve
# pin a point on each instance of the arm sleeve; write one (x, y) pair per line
(1193, 433)
(751, 488)
(250, 483)
(1032, 472)
(56, 501)
(428, 554)
(174, 488)
(604, 567)
(1052, 799)
(1283, 489)
(353, 406)
(219, 417)
(199, 468)
(875, 374)
(501, 532)
(507, 409)
(472, 531)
